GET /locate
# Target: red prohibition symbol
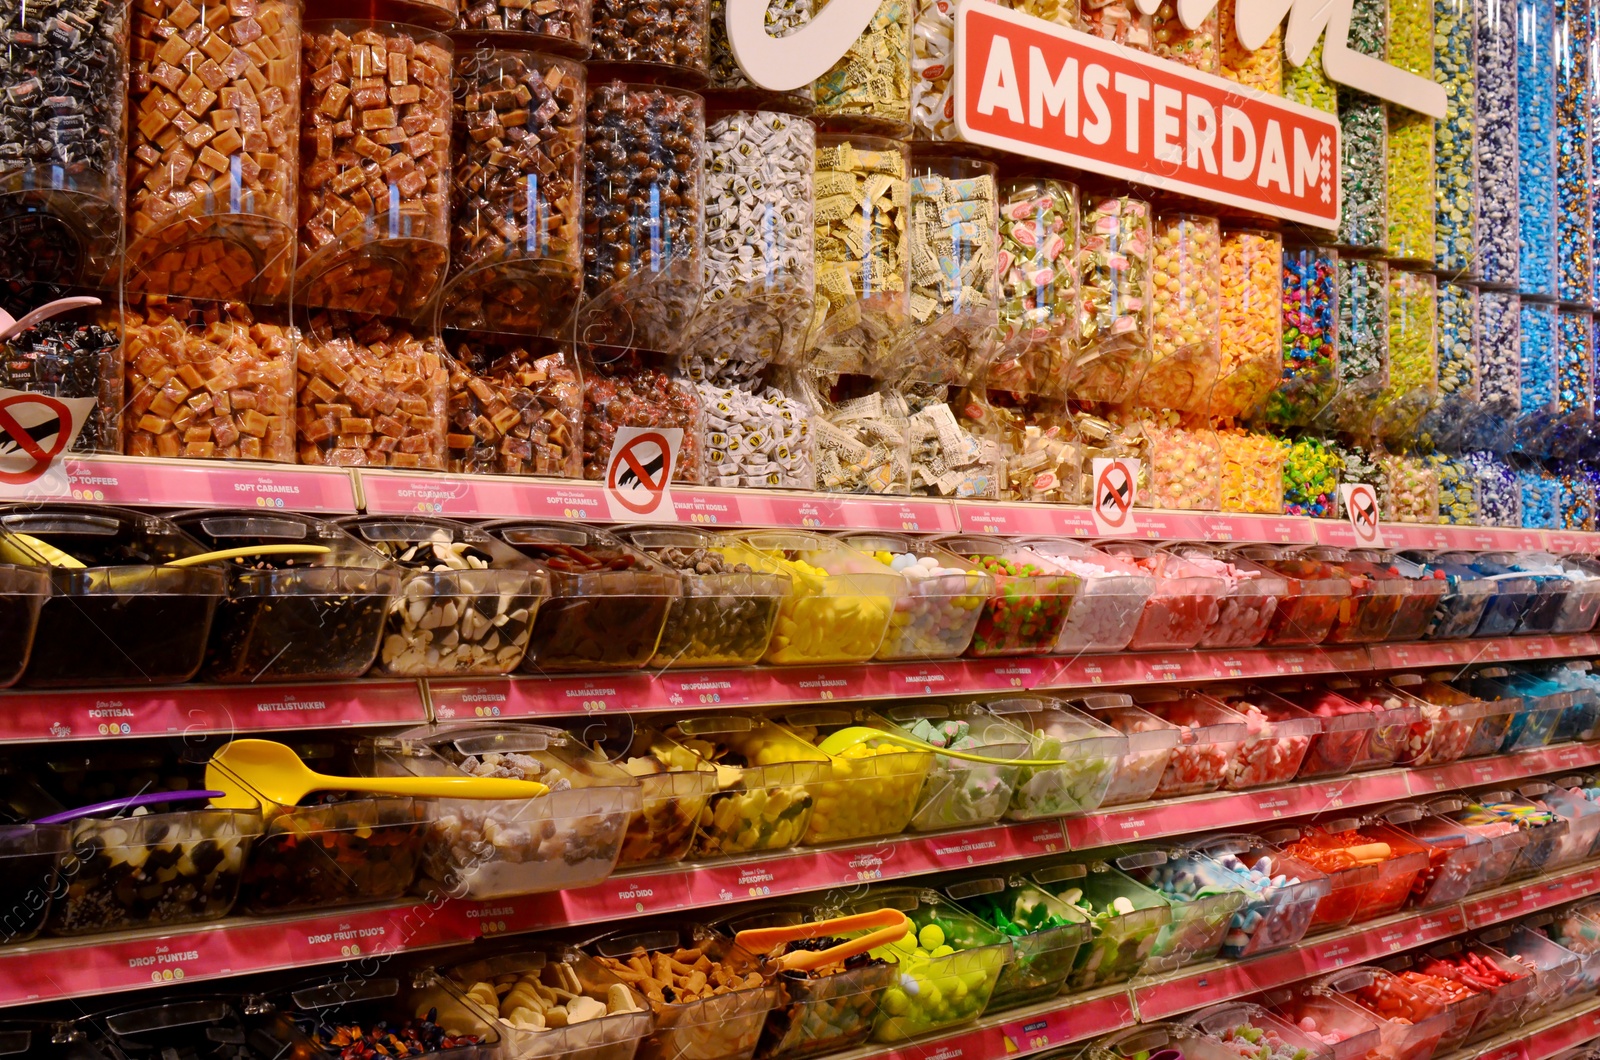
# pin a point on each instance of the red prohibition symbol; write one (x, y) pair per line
(1113, 493)
(636, 468)
(25, 419)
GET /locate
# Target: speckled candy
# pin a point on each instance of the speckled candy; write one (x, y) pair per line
(1309, 85)
(1536, 146)
(1363, 306)
(1574, 220)
(1541, 497)
(1186, 289)
(1411, 489)
(1455, 155)
(1496, 37)
(1311, 478)
(1458, 495)
(1496, 489)
(1458, 340)
(1538, 365)
(1310, 335)
(1577, 498)
(1575, 368)
(1500, 351)
(1252, 320)
(1261, 69)
(1252, 471)
(1363, 171)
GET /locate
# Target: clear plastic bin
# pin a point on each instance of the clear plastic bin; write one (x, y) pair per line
(1209, 735)
(1114, 289)
(1582, 608)
(1349, 1031)
(314, 1020)
(22, 594)
(1187, 295)
(31, 859)
(1365, 615)
(841, 602)
(1514, 594)
(1411, 1023)
(1537, 705)
(1311, 604)
(1553, 966)
(1151, 745)
(608, 602)
(872, 787)
(1371, 868)
(960, 794)
(1449, 719)
(467, 601)
(1394, 713)
(1057, 732)
(1107, 608)
(212, 145)
(1239, 1025)
(765, 782)
(1582, 817)
(1153, 1039)
(124, 618)
(675, 786)
(1185, 605)
(949, 988)
(159, 869)
(1275, 745)
(1347, 728)
(373, 185)
(1494, 720)
(627, 388)
(944, 599)
(1251, 597)
(288, 618)
(726, 610)
(1121, 942)
(1546, 830)
(1461, 607)
(528, 999)
(1046, 935)
(1422, 596)
(74, 355)
(515, 230)
(208, 381)
(1281, 894)
(1204, 897)
(1504, 982)
(1505, 841)
(1455, 854)
(1030, 600)
(1579, 935)
(723, 1023)
(1552, 586)
(482, 848)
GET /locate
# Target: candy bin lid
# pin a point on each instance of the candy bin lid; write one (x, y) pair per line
(959, 792)
(1100, 571)
(785, 758)
(1551, 963)
(300, 1025)
(1144, 731)
(1349, 1031)
(1221, 562)
(1232, 1023)
(565, 838)
(1149, 1040)
(175, 1026)
(1311, 578)
(1213, 721)
(514, 994)
(585, 560)
(1058, 732)
(1412, 1038)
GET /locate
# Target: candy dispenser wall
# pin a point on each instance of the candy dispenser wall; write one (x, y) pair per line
(1575, 266)
(1455, 144)
(1536, 146)
(1498, 163)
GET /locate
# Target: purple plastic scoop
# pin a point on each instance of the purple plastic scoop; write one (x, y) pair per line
(131, 802)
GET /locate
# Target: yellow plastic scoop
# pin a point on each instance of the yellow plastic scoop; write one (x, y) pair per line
(854, 734)
(245, 769)
(890, 925)
(30, 551)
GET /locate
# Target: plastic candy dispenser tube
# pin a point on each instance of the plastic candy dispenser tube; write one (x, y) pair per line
(1574, 152)
(1455, 144)
(1496, 38)
(1536, 146)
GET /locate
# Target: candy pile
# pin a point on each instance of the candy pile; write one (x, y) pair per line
(1250, 1042)
(962, 793)
(550, 998)
(937, 985)
(1025, 614)
(936, 616)
(1267, 920)
(412, 1037)
(685, 975)
(1470, 968)
(756, 438)
(1265, 756)
(759, 807)
(1200, 761)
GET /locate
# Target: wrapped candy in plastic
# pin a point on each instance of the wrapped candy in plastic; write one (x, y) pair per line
(1038, 262)
(627, 391)
(1114, 286)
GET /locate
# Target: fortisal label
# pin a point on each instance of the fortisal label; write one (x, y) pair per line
(1029, 86)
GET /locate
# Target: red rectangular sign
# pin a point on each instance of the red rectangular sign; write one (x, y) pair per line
(1029, 86)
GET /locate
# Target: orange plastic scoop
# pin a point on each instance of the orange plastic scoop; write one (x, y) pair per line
(882, 926)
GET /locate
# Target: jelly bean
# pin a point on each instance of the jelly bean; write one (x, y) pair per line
(1310, 336)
